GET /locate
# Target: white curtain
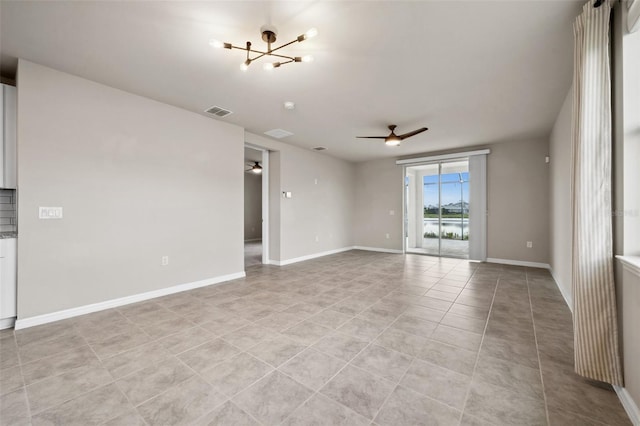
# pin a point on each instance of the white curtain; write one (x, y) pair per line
(595, 318)
(478, 207)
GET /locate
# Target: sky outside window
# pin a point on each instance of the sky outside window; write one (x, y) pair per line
(450, 189)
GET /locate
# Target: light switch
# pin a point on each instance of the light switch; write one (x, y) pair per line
(50, 213)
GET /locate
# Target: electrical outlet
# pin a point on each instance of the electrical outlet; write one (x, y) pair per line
(386, 236)
(392, 212)
(529, 244)
(317, 238)
(165, 260)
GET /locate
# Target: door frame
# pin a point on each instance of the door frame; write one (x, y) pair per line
(440, 160)
(265, 200)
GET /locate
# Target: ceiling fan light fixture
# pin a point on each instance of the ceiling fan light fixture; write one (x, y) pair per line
(392, 139)
(256, 168)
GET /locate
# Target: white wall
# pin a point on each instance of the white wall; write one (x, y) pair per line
(561, 223)
(137, 179)
(517, 200)
(378, 192)
(323, 209)
(252, 206)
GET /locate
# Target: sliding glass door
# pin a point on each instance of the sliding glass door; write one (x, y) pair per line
(437, 208)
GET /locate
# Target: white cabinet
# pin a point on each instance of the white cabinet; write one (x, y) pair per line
(8, 131)
(7, 282)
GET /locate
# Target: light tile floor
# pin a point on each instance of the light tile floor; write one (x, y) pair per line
(351, 339)
(252, 253)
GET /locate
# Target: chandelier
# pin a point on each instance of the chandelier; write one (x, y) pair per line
(269, 34)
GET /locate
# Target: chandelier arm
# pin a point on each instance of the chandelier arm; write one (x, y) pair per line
(284, 45)
(260, 53)
(273, 54)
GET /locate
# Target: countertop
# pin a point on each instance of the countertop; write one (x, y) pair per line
(4, 235)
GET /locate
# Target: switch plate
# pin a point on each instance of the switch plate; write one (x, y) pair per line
(50, 213)
(392, 212)
(529, 244)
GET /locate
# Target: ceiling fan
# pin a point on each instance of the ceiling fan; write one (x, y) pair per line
(393, 139)
(255, 167)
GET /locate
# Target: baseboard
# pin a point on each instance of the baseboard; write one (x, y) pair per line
(381, 250)
(518, 263)
(308, 257)
(629, 405)
(7, 323)
(567, 298)
(113, 303)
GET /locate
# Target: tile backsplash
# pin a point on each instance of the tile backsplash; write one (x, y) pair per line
(8, 221)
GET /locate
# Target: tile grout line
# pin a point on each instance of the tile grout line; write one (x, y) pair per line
(24, 382)
(116, 385)
(228, 399)
(535, 335)
(475, 366)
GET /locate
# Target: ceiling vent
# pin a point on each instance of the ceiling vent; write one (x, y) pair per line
(218, 111)
(278, 133)
(319, 148)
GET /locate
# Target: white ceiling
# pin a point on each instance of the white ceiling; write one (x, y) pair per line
(473, 72)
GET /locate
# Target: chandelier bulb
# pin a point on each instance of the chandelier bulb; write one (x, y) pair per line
(307, 58)
(216, 43)
(244, 66)
(311, 33)
(267, 66)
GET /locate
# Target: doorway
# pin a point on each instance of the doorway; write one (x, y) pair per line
(437, 208)
(256, 202)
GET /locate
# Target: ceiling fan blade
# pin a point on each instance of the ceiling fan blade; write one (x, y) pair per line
(371, 137)
(415, 132)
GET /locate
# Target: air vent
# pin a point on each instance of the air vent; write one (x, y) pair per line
(319, 148)
(218, 111)
(278, 133)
